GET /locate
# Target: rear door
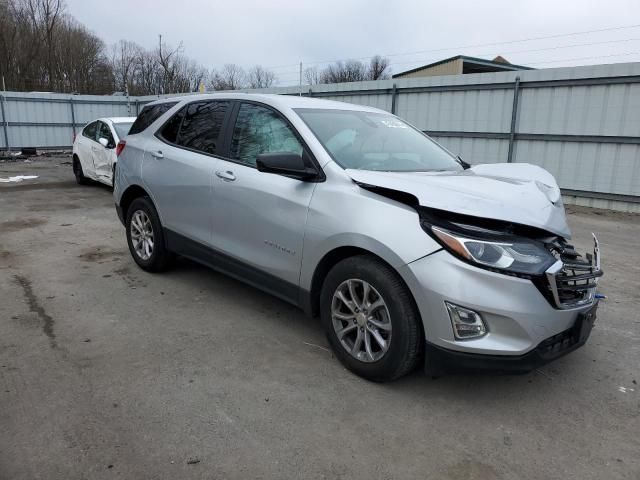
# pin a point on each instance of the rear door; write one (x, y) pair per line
(179, 164)
(259, 218)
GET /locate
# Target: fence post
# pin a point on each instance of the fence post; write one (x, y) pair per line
(5, 124)
(514, 118)
(137, 107)
(310, 92)
(73, 118)
(394, 94)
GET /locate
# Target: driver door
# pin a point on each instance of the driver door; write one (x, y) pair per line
(103, 157)
(259, 218)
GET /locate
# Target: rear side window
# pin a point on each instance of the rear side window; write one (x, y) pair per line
(201, 126)
(90, 130)
(170, 130)
(148, 115)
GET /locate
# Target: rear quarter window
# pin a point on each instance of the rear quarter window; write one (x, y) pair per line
(148, 115)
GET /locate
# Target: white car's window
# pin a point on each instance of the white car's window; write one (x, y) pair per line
(375, 141)
(261, 130)
(105, 132)
(90, 130)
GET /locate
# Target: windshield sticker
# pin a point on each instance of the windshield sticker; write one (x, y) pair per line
(393, 123)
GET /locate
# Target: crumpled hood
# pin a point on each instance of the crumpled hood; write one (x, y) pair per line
(513, 192)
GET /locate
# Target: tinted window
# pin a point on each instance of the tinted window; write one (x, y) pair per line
(105, 132)
(90, 130)
(148, 115)
(170, 130)
(202, 125)
(261, 130)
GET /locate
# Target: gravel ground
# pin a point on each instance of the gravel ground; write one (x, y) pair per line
(110, 372)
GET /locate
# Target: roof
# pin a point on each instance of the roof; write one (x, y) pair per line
(501, 64)
(279, 101)
(121, 119)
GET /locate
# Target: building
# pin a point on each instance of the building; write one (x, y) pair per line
(461, 65)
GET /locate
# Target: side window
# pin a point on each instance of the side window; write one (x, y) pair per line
(170, 130)
(202, 125)
(105, 132)
(261, 130)
(90, 130)
(148, 115)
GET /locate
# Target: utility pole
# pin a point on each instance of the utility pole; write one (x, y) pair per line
(4, 88)
(300, 93)
(126, 90)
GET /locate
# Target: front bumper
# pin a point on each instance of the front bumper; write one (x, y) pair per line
(440, 360)
(519, 319)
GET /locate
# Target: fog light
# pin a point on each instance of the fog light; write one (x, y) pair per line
(466, 323)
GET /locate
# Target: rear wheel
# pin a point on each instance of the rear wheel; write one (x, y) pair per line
(370, 319)
(77, 171)
(145, 236)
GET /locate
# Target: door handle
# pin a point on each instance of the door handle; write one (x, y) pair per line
(157, 154)
(227, 176)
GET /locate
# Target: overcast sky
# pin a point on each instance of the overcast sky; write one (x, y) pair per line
(280, 34)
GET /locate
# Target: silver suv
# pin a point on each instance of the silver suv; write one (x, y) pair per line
(405, 252)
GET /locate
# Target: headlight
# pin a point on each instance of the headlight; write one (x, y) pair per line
(518, 255)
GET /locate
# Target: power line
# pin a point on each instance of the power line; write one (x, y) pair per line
(506, 42)
(540, 49)
(587, 58)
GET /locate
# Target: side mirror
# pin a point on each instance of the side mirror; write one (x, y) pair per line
(287, 164)
(104, 142)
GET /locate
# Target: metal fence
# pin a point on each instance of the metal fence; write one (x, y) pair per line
(580, 123)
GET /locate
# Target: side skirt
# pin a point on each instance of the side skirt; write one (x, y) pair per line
(237, 269)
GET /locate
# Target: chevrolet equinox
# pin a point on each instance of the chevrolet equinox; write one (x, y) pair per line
(406, 253)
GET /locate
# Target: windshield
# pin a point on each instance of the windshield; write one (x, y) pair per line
(122, 129)
(376, 141)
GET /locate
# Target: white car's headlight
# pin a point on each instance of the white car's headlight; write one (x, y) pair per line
(510, 254)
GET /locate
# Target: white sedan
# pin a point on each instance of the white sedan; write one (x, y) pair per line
(94, 149)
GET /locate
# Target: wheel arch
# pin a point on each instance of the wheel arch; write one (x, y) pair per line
(129, 195)
(311, 302)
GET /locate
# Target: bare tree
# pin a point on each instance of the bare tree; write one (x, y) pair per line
(355, 71)
(231, 77)
(311, 76)
(340, 72)
(260, 77)
(125, 57)
(378, 68)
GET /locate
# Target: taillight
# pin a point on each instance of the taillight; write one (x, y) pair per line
(120, 147)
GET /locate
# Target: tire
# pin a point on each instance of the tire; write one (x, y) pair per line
(141, 212)
(79, 174)
(404, 338)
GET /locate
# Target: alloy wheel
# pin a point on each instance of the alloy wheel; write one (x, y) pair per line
(142, 237)
(361, 320)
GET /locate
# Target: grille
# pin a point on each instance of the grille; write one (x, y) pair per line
(572, 280)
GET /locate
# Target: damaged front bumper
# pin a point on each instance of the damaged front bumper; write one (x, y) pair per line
(528, 322)
(440, 360)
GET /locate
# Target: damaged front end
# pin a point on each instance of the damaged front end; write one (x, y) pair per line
(561, 274)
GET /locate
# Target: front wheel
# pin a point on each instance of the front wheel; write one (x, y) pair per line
(145, 236)
(370, 319)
